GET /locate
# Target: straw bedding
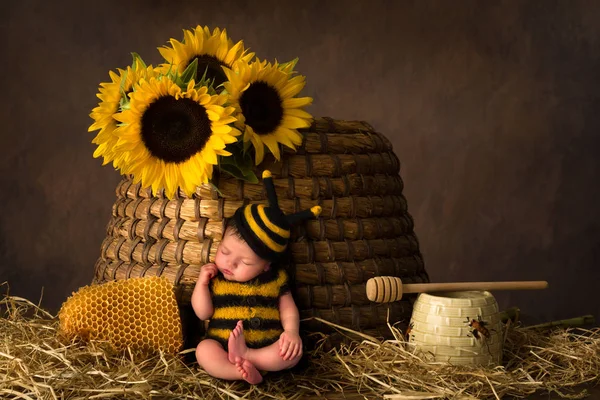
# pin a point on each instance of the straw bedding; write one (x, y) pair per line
(36, 364)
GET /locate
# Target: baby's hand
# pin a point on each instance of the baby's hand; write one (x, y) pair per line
(290, 345)
(207, 272)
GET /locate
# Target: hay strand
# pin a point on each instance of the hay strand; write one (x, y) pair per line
(34, 364)
(564, 323)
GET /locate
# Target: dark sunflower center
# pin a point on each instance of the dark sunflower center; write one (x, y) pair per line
(212, 66)
(174, 130)
(262, 108)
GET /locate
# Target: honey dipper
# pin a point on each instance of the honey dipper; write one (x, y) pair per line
(386, 289)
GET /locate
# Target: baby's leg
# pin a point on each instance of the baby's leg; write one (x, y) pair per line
(237, 344)
(269, 358)
(214, 360)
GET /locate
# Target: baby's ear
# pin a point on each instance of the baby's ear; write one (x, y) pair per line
(267, 267)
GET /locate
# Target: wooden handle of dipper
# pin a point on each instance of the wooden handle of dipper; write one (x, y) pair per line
(386, 289)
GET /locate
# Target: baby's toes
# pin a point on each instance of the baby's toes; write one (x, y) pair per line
(238, 329)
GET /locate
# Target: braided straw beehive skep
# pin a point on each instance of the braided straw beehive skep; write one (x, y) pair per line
(364, 230)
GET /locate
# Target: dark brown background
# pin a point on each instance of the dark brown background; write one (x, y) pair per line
(492, 108)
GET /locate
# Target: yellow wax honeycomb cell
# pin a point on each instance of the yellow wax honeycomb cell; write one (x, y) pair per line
(139, 313)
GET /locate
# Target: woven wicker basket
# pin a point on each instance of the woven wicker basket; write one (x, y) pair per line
(364, 230)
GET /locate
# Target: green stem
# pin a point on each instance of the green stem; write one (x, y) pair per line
(565, 323)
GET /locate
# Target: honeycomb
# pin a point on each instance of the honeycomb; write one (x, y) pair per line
(139, 313)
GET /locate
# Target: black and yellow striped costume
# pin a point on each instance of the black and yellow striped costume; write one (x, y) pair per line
(255, 302)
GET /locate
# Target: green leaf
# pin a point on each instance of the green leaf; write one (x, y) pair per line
(290, 64)
(244, 169)
(251, 177)
(137, 59)
(122, 86)
(232, 170)
(229, 160)
(169, 72)
(215, 187)
(239, 164)
(124, 104)
(243, 158)
(209, 82)
(220, 87)
(203, 77)
(190, 72)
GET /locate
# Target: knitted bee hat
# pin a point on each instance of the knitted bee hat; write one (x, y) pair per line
(267, 229)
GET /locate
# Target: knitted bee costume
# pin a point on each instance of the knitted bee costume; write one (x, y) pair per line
(256, 302)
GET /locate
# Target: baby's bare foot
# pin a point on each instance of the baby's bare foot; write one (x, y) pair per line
(249, 372)
(237, 344)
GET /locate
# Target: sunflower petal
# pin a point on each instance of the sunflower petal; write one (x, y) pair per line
(259, 149)
(289, 121)
(290, 90)
(271, 143)
(284, 136)
(227, 120)
(216, 142)
(230, 138)
(213, 116)
(221, 152)
(296, 102)
(209, 156)
(296, 112)
(221, 129)
(294, 137)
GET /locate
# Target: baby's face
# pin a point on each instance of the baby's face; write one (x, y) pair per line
(237, 261)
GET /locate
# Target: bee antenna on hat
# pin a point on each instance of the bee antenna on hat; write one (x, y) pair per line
(270, 188)
(303, 215)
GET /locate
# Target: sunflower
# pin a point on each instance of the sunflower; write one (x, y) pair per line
(268, 112)
(170, 137)
(212, 50)
(111, 95)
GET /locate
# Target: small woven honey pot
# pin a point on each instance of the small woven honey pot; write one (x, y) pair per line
(457, 328)
(364, 230)
(453, 322)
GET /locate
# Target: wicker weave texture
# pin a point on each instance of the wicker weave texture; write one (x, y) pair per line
(364, 230)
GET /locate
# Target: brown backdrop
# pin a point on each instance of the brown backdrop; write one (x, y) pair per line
(492, 108)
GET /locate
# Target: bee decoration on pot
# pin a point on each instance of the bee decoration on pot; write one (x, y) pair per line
(408, 331)
(480, 332)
